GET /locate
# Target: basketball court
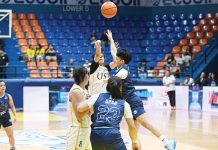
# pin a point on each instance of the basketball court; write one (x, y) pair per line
(39, 128)
(192, 130)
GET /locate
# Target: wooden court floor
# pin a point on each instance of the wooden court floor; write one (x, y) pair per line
(46, 131)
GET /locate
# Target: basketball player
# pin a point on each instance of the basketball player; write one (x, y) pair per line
(109, 108)
(78, 134)
(6, 101)
(123, 58)
(99, 73)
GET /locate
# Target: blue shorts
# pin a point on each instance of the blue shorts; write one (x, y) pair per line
(5, 120)
(107, 139)
(136, 105)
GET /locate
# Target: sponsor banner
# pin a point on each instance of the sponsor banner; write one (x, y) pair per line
(195, 98)
(156, 3)
(58, 96)
(139, 3)
(210, 99)
(155, 97)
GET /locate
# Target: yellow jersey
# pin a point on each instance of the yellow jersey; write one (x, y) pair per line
(84, 120)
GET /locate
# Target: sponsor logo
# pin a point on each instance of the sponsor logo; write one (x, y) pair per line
(5, 1)
(64, 2)
(180, 2)
(81, 2)
(156, 2)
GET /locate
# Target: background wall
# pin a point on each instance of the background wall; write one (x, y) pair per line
(15, 87)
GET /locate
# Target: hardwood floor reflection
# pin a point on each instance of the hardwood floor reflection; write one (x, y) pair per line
(192, 130)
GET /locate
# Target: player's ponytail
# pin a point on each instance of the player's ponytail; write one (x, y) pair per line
(114, 86)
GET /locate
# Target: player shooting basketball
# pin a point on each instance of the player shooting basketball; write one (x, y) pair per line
(99, 73)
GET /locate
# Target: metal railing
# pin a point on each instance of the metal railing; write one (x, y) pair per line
(203, 58)
(17, 71)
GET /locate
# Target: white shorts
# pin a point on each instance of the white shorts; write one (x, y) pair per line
(78, 138)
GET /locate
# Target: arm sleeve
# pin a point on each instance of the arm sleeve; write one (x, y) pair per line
(127, 111)
(108, 67)
(123, 73)
(91, 101)
(94, 66)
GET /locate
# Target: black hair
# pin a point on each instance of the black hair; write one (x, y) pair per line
(114, 86)
(124, 55)
(1, 81)
(79, 74)
(188, 75)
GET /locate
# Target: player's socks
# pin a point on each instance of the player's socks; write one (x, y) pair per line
(171, 145)
(164, 139)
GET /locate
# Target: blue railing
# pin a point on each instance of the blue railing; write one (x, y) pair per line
(203, 58)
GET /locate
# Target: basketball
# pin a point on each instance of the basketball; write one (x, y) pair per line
(108, 9)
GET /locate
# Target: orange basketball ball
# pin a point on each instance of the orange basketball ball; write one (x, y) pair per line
(108, 9)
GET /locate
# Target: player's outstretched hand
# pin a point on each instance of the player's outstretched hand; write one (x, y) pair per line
(97, 44)
(109, 35)
(135, 146)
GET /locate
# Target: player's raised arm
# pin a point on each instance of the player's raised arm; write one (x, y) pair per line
(11, 104)
(112, 44)
(98, 50)
(113, 48)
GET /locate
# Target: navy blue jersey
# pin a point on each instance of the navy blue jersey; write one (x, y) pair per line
(127, 84)
(108, 112)
(4, 103)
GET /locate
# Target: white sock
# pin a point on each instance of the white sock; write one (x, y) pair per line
(164, 139)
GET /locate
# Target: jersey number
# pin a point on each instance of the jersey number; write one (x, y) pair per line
(107, 114)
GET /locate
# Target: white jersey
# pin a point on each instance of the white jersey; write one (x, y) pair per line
(98, 78)
(72, 118)
(169, 82)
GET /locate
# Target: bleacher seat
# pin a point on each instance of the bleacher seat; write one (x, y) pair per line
(34, 74)
(155, 37)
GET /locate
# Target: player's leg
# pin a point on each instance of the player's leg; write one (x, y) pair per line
(174, 99)
(140, 115)
(137, 125)
(10, 134)
(84, 142)
(72, 135)
(169, 144)
(170, 99)
(7, 124)
(143, 120)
